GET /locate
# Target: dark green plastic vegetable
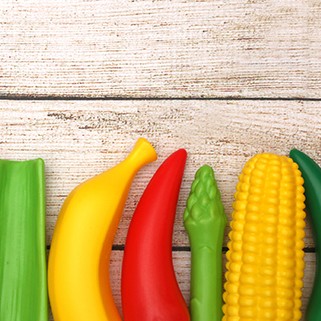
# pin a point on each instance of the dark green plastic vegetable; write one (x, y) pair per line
(311, 173)
(23, 282)
(205, 222)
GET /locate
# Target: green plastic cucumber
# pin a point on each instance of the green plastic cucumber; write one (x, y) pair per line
(311, 173)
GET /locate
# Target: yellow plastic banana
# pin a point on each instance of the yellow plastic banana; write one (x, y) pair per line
(78, 276)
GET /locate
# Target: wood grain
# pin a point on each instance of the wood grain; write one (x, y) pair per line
(78, 139)
(163, 48)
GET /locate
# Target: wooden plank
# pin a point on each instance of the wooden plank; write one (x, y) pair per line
(79, 139)
(182, 269)
(147, 48)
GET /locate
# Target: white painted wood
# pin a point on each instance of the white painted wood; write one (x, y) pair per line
(147, 48)
(79, 139)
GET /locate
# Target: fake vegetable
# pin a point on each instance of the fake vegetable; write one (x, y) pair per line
(23, 273)
(79, 286)
(149, 287)
(205, 222)
(311, 173)
(265, 257)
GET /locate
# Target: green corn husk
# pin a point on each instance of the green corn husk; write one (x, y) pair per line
(23, 275)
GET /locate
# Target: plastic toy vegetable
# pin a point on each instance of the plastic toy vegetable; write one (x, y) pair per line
(265, 257)
(79, 286)
(23, 272)
(205, 222)
(149, 287)
(311, 173)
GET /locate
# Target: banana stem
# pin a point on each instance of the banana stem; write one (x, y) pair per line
(142, 154)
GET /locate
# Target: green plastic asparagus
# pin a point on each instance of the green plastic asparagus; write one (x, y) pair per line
(205, 221)
(23, 282)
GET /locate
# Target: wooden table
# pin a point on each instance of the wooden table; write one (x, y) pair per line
(81, 80)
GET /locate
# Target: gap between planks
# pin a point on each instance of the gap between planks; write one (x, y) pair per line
(121, 247)
(120, 98)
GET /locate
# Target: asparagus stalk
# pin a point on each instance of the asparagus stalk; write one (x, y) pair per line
(205, 221)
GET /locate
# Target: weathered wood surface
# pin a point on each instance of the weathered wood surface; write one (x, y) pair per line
(79, 139)
(147, 48)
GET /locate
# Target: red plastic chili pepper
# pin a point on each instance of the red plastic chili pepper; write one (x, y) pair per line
(149, 287)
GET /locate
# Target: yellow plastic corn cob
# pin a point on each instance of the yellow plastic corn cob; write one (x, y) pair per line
(265, 260)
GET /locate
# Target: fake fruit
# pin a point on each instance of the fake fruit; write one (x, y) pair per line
(265, 257)
(205, 222)
(79, 286)
(311, 173)
(23, 270)
(149, 287)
